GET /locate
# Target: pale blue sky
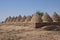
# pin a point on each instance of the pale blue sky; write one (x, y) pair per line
(27, 7)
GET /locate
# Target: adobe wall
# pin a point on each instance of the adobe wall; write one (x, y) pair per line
(39, 25)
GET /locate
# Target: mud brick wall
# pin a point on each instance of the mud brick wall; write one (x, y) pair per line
(39, 25)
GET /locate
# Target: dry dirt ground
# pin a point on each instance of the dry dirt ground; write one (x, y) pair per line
(13, 32)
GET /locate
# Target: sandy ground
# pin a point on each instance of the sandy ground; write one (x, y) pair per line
(13, 32)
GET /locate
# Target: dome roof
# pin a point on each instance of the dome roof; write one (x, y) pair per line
(18, 18)
(55, 17)
(23, 19)
(28, 19)
(36, 18)
(46, 18)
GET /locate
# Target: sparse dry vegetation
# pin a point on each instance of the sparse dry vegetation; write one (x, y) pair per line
(24, 28)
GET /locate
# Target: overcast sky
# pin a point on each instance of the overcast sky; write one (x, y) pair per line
(27, 7)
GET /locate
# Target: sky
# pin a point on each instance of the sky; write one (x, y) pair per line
(27, 7)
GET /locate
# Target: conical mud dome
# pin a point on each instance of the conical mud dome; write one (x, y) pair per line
(9, 19)
(6, 20)
(13, 19)
(28, 19)
(36, 18)
(46, 18)
(55, 17)
(23, 19)
(18, 18)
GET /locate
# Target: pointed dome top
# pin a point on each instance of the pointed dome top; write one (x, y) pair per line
(28, 19)
(18, 18)
(6, 19)
(23, 19)
(9, 19)
(13, 19)
(55, 17)
(46, 18)
(36, 18)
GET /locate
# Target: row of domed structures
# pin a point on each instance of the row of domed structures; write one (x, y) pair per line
(35, 18)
